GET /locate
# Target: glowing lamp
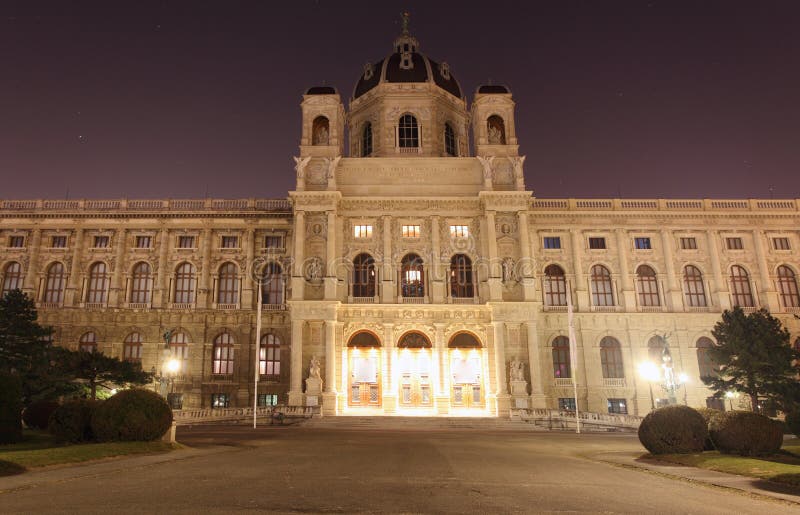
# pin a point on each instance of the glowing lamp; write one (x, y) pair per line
(173, 366)
(649, 371)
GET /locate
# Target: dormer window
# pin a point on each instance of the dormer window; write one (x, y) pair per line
(369, 71)
(444, 69)
(408, 132)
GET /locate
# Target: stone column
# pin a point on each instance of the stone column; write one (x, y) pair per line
(579, 284)
(503, 401)
(205, 290)
(116, 295)
(443, 385)
(330, 256)
(161, 295)
(495, 276)
(767, 296)
(720, 290)
(296, 364)
(389, 380)
(673, 293)
(439, 282)
(298, 281)
(74, 286)
(388, 289)
(538, 399)
(626, 288)
(329, 395)
(30, 284)
(526, 267)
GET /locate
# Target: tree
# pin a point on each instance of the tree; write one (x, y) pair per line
(755, 358)
(98, 370)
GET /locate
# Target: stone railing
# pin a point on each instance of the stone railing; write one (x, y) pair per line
(184, 417)
(247, 204)
(566, 419)
(573, 204)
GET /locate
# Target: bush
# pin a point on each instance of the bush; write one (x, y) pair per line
(746, 433)
(673, 430)
(10, 409)
(709, 414)
(37, 414)
(793, 422)
(72, 421)
(132, 415)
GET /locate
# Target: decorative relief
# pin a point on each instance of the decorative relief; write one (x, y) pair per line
(503, 173)
(389, 205)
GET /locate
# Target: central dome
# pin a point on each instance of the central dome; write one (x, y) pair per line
(407, 64)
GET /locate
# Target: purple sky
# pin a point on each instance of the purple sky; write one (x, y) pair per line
(188, 98)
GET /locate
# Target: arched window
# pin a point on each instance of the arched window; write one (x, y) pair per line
(179, 345)
(141, 284)
(366, 140)
(228, 284)
(414, 340)
(555, 286)
(461, 285)
(695, 291)
(97, 291)
(412, 276)
(12, 277)
(648, 286)
(655, 349)
(364, 278)
(562, 367)
(611, 358)
(496, 130)
(272, 284)
(269, 360)
(601, 286)
(185, 284)
(320, 131)
(132, 348)
(54, 284)
(88, 342)
(222, 358)
(707, 366)
(740, 287)
(787, 285)
(408, 132)
(450, 148)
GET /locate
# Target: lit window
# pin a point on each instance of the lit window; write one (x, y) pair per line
(459, 231)
(185, 284)
(222, 355)
(618, 406)
(642, 243)
(220, 400)
(362, 231)
(411, 276)
(552, 242)
(12, 277)
(734, 243)
(273, 242)
(267, 399)
(561, 358)
(597, 243)
(58, 242)
(101, 242)
(688, 243)
(186, 242)
(16, 242)
(781, 243)
(270, 356)
(411, 231)
(228, 284)
(144, 242)
(230, 242)
(555, 286)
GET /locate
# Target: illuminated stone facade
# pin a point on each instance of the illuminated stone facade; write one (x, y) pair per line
(419, 270)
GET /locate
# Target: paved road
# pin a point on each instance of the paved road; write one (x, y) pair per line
(315, 470)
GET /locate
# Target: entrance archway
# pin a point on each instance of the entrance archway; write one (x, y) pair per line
(415, 369)
(466, 367)
(364, 378)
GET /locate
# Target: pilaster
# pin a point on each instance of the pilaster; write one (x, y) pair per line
(495, 276)
(579, 284)
(117, 293)
(627, 291)
(298, 281)
(331, 280)
(73, 294)
(296, 364)
(329, 395)
(526, 267)
(442, 396)
(767, 295)
(537, 377)
(438, 282)
(501, 389)
(720, 290)
(32, 272)
(388, 272)
(390, 382)
(673, 292)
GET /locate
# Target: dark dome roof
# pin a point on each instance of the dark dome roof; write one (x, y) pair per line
(491, 88)
(321, 90)
(422, 69)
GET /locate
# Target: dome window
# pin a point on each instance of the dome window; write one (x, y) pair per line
(450, 147)
(366, 140)
(408, 132)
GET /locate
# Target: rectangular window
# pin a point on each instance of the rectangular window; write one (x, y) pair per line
(688, 243)
(273, 242)
(175, 400)
(459, 231)
(552, 242)
(781, 243)
(618, 406)
(597, 243)
(186, 242)
(101, 242)
(566, 403)
(16, 242)
(220, 400)
(642, 243)
(362, 231)
(230, 242)
(734, 243)
(267, 399)
(58, 242)
(144, 242)
(411, 231)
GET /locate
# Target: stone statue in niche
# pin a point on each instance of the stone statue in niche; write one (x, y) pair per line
(495, 136)
(314, 270)
(509, 273)
(314, 368)
(321, 136)
(516, 370)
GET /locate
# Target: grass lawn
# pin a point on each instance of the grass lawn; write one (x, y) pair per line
(782, 468)
(39, 449)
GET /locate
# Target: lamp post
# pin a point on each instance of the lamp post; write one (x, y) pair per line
(649, 372)
(730, 395)
(169, 367)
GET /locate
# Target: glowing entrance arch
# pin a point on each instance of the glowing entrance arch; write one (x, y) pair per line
(415, 370)
(364, 381)
(466, 367)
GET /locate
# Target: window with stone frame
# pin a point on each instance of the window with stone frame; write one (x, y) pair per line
(12, 277)
(88, 342)
(16, 242)
(787, 287)
(694, 289)
(228, 284)
(611, 358)
(97, 286)
(602, 286)
(647, 286)
(132, 348)
(562, 366)
(222, 355)
(54, 284)
(461, 280)
(185, 284)
(741, 293)
(269, 360)
(450, 148)
(555, 286)
(364, 276)
(141, 284)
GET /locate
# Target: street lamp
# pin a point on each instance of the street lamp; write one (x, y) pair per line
(730, 395)
(169, 367)
(649, 372)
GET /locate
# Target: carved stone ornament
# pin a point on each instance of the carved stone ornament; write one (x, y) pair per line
(486, 163)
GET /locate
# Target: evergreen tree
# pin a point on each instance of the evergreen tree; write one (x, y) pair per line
(95, 369)
(755, 358)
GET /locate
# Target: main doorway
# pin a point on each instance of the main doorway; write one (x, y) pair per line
(364, 378)
(415, 371)
(466, 367)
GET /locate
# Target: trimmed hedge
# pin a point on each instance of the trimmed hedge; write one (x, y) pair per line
(793, 422)
(709, 414)
(37, 414)
(72, 421)
(10, 409)
(132, 415)
(746, 433)
(673, 430)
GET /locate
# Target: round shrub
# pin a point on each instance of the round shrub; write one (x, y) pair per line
(708, 415)
(37, 414)
(793, 422)
(72, 421)
(673, 430)
(746, 433)
(132, 415)
(10, 409)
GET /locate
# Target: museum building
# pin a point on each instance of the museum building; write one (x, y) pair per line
(411, 273)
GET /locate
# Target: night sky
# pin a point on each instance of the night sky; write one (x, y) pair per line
(190, 99)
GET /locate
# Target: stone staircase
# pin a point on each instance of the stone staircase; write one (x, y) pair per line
(399, 423)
